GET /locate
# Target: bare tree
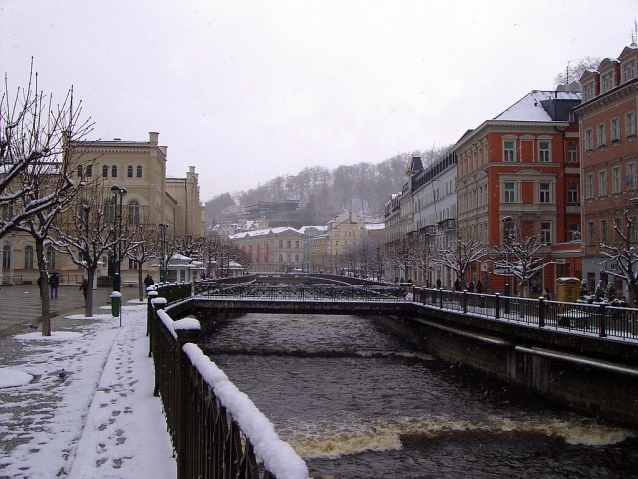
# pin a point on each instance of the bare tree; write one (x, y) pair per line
(425, 256)
(34, 131)
(622, 257)
(575, 70)
(402, 254)
(460, 255)
(522, 256)
(87, 233)
(144, 244)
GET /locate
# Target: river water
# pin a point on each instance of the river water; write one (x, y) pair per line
(357, 402)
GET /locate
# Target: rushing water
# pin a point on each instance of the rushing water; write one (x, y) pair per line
(356, 402)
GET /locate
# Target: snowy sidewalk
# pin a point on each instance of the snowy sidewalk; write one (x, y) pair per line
(80, 404)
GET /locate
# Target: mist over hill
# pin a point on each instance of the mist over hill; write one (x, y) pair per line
(323, 193)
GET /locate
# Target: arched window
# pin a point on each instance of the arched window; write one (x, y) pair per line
(7, 212)
(134, 212)
(114, 171)
(6, 256)
(109, 210)
(105, 171)
(28, 257)
(139, 171)
(129, 171)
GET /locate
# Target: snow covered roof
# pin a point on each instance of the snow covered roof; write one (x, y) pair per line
(264, 232)
(530, 107)
(375, 226)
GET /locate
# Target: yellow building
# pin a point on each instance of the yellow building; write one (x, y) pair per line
(140, 168)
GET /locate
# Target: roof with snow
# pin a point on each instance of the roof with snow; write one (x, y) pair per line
(537, 106)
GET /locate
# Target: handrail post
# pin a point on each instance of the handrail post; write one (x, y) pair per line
(440, 298)
(465, 301)
(603, 332)
(497, 305)
(541, 312)
(150, 323)
(183, 393)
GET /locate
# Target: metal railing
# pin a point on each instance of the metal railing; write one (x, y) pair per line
(601, 319)
(301, 292)
(204, 429)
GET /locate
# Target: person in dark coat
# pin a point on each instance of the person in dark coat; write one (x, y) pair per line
(84, 286)
(457, 285)
(54, 282)
(479, 287)
(148, 281)
(438, 283)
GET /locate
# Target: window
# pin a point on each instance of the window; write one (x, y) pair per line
(7, 212)
(28, 257)
(134, 212)
(603, 231)
(288, 244)
(615, 130)
(139, 171)
(589, 185)
(129, 171)
(574, 235)
(105, 171)
(544, 151)
(89, 171)
(631, 176)
(546, 232)
(509, 193)
(616, 179)
(617, 230)
(589, 141)
(602, 183)
(109, 210)
(132, 264)
(545, 193)
(591, 234)
(606, 82)
(508, 151)
(628, 70)
(588, 91)
(601, 136)
(51, 258)
(630, 124)
(80, 171)
(633, 230)
(6, 256)
(114, 171)
(572, 192)
(281, 243)
(572, 153)
(296, 243)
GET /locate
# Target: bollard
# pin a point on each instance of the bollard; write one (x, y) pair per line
(116, 301)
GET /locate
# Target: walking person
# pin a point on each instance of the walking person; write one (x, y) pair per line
(84, 287)
(148, 281)
(54, 282)
(457, 285)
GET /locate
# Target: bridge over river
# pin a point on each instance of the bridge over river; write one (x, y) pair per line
(583, 356)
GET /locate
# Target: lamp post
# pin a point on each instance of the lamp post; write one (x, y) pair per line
(507, 239)
(118, 192)
(163, 227)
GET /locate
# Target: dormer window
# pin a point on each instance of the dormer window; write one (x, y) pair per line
(628, 70)
(607, 82)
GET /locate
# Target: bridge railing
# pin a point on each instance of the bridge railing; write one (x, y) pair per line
(216, 431)
(601, 319)
(322, 292)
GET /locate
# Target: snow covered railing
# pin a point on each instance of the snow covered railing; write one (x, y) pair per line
(216, 430)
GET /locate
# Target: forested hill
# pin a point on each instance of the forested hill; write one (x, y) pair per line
(363, 188)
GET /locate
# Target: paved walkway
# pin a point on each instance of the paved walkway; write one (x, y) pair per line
(89, 409)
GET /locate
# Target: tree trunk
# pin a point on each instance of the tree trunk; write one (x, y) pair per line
(140, 282)
(44, 288)
(88, 303)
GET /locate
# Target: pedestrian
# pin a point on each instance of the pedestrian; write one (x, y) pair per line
(84, 286)
(479, 287)
(148, 281)
(438, 283)
(548, 293)
(470, 286)
(54, 282)
(457, 285)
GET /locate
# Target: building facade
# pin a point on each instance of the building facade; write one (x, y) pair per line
(524, 165)
(609, 155)
(151, 198)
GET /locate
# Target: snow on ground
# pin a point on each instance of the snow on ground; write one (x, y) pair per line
(81, 405)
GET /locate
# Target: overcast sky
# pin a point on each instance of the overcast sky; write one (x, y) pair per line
(249, 90)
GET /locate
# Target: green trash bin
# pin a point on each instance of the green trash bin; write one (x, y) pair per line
(116, 301)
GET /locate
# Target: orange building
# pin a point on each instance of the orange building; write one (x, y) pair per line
(524, 165)
(609, 156)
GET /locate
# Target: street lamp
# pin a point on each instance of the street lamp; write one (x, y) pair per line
(507, 239)
(163, 227)
(118, 192)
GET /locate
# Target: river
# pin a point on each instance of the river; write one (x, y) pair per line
(357, 402)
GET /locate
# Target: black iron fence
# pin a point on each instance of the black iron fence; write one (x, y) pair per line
(319, 292)
(216, 431)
